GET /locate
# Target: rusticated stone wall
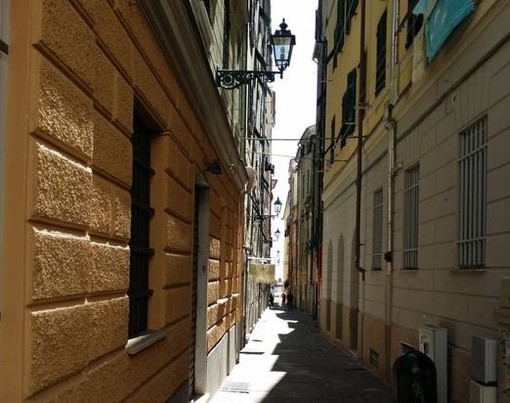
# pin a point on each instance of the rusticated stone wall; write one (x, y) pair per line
(76, 69)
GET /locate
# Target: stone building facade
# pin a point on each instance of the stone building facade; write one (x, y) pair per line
(414, 190)
(123, 201)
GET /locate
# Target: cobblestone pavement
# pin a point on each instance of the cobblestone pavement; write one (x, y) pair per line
(287, 360)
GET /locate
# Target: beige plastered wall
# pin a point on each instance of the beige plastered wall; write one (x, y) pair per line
(75, 69)
(438, 293)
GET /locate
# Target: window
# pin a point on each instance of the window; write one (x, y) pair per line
(411, 203)
(380, 69)
(226, 34)
(139, 244)
(472, 166)
(332, 144)
(339, 30)
(349, 108)
(351, 11)
(414, 22)
(377, 228)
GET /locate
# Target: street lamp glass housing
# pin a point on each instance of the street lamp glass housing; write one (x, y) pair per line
(277, 234)
(277, 206)
(283, 41)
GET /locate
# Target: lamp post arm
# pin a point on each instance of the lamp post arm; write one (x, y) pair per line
(230, 79)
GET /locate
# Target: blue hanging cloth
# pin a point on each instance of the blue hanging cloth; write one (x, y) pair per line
(442, 17)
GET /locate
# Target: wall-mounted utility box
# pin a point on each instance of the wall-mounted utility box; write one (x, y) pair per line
(479, 393)
(484, 359)
(505, 292)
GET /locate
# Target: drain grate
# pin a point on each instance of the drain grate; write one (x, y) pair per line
(236, 387)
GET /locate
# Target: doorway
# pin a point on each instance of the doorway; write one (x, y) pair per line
(199, 279)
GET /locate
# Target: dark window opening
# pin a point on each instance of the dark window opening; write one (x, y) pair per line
(351, 12)
(139, 244)
(380, 70)
(339, 38)
(226, 34)
(414, 23)
(349, 108)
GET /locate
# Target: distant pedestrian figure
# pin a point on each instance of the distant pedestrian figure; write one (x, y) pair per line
(271, 299)
(290, 298)
(283, 299)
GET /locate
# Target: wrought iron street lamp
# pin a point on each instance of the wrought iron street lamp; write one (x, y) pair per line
(277, 234)
(282, 42)
(277, 208)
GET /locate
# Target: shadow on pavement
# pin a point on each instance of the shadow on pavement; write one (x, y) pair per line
(315, 370)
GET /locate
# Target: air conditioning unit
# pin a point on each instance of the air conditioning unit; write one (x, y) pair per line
(484, 359)
(479, 393)
(433, 343)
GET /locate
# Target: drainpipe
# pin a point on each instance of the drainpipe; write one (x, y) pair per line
(359, 175)
(390, 126)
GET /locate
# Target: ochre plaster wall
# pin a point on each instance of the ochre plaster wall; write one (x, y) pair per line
(76, 68)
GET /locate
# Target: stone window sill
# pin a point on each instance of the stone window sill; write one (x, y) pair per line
(140, 343)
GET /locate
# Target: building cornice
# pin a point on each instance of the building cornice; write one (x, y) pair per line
(175, 27)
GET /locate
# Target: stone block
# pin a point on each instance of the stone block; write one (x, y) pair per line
(64, 112)
(165, 383)
(58, 19)
(112, 151)
(225, 287)
(111, 209)
(60, 344)
(111, 33)
(104, 82)
(109, 331)
(61, 188)
(110, 268)
(148, 85)
(213, 292)
(178, 303)
(180, 132)
(214, 249)
(212, 315)
(179, 199)
(180, 167)
(215, 229)
(61, 264)
(123, 103)
(178, 235)
(214, 269)
(178, 269)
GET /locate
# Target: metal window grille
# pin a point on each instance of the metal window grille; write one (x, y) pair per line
(411, 204)
(472, 166)
(380, 68)
(141, 213)
(377, 228)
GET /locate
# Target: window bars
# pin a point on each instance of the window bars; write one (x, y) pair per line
(377, 228)
(472, 207)
(411, 204)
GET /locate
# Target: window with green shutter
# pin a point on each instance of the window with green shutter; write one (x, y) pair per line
(380, 70)
(349, 108)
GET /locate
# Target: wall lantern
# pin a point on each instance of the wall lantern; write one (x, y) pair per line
(282, 42)
(277, 234)
(277, 208)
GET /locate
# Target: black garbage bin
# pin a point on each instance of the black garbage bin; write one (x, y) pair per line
(414, 378)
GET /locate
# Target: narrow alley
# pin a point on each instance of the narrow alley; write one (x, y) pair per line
(287, 360)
